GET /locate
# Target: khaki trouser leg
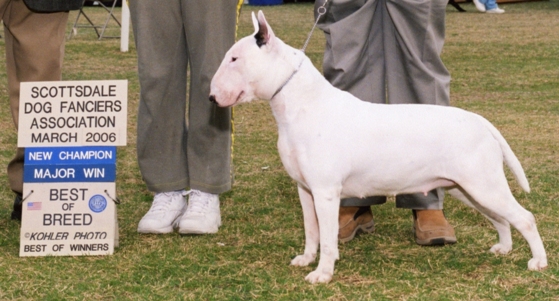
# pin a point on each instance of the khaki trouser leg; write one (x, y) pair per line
(34, 52)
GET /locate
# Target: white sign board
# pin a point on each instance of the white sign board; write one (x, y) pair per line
(70, 131)
(73, 113)
(62, 219)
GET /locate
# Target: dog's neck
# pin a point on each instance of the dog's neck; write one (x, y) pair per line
(289, 78)
(303, 86)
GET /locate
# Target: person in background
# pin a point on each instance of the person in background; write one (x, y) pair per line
(488, 6)
(388, 51)
(34, 33)
(175, 153)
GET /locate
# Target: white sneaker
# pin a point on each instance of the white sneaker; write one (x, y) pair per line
(480, 6)
(165, 210)
(495, 11)
(202, 214)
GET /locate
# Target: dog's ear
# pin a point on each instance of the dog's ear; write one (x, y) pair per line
(263, 32)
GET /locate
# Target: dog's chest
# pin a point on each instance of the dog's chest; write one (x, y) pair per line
(291, 155)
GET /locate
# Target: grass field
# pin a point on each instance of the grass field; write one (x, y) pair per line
(504, 67)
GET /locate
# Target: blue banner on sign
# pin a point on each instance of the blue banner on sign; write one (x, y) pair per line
(69, 173)
(70, 155)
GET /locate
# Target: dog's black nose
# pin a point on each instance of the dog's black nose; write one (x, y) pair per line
(212, 99)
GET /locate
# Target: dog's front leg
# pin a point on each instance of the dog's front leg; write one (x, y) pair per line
(327, 206)
(311, 229)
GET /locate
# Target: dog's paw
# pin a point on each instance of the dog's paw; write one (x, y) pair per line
(318, 277)
(500, 249)
(303, 260)
(536, 264)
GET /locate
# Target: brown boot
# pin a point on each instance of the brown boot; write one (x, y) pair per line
(431, 228)
(353, 219)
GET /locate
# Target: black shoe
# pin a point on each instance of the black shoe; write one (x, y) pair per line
(16, 213)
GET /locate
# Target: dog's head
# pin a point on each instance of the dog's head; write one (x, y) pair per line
(252, 69)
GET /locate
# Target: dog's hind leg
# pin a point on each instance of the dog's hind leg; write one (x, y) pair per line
(525, 222)
(327, 206)
(494, 198)
(311, 229)
(501, 225)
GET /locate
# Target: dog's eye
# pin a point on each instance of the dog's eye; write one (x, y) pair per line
(233, 59)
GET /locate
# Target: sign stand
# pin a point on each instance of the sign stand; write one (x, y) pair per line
(70, 131)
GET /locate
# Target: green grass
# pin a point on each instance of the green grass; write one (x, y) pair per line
(504, 67)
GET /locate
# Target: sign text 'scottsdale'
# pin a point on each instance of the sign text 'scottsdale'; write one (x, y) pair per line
(73, 91)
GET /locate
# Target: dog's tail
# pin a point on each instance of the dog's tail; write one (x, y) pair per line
(510, 158)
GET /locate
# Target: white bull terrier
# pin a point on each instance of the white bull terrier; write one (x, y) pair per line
(337, 146)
